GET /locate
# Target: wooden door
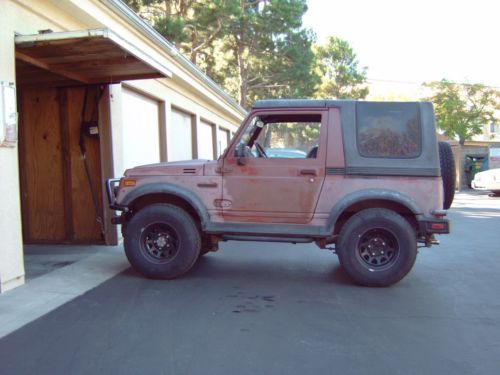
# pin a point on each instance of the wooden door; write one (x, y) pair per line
(56, 197)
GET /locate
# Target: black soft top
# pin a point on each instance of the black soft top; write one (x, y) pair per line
(295, 103)
(310, 103)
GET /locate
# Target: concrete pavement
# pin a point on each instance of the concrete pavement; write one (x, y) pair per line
(64, 274)
(258, 308)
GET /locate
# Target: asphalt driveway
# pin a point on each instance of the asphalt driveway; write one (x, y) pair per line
(255, 308)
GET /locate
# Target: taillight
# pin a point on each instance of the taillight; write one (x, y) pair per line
(438, 226)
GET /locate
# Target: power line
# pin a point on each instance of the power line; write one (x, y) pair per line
(421, 83)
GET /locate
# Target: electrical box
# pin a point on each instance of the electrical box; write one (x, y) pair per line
(8, 114)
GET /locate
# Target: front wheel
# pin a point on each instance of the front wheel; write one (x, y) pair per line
(162, 241)
(377, 247)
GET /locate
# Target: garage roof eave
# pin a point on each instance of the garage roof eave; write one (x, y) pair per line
(123, 11)
(89, 56)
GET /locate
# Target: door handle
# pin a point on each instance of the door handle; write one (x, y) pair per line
(308, 172)
(223, 170)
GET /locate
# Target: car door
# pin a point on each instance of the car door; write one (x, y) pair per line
(284, 186)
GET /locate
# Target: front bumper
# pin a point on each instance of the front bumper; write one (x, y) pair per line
(111, 186)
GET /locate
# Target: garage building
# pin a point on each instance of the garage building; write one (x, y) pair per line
(89, 90)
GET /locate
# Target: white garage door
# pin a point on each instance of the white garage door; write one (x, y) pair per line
(141, 137)
(222, 140)
(179, 137)
(205, 140)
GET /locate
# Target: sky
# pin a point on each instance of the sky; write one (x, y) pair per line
(416, 41)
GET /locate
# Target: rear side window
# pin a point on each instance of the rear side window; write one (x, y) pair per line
(388, 130)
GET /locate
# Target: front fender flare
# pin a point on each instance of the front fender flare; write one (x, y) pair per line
(171, 189)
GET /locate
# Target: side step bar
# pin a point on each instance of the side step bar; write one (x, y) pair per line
(293, 240)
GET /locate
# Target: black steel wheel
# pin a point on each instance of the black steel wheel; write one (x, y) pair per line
(162, 241)
(159, 242)
(377, 247)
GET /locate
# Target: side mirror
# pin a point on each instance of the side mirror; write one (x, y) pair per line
(240, 152)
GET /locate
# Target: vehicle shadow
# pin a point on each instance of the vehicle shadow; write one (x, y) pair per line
(216, 267)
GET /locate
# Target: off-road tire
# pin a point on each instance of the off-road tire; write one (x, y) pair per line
(162, 241)
(448, 173)
(377, 247)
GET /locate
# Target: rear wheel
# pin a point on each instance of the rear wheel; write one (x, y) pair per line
(377, 247)
(162, 241)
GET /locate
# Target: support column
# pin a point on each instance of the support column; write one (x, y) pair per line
(215, 141)
(195, 124)
(165, 116)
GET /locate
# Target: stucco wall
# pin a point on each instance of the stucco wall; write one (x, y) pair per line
(23, 17)
(11, 260)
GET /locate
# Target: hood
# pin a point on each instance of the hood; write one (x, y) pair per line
(175, 168)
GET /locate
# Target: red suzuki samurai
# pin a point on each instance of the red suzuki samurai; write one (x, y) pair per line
(368, 180)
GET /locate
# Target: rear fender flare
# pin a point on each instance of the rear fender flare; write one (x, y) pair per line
(367, 195)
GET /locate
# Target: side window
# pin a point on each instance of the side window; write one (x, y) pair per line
(390, 130)
(290, 136)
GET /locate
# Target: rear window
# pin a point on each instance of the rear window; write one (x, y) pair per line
(388, 130)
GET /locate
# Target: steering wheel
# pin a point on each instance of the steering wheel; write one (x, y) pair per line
(260, 150)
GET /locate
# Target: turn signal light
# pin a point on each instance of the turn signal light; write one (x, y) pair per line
(128, 182)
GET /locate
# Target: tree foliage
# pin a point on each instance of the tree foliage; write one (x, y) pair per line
(269, 51)
(256, 48)
(342, 77)
(191, 25)
(463, 109)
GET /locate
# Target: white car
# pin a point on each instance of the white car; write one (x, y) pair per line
(487, 180)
